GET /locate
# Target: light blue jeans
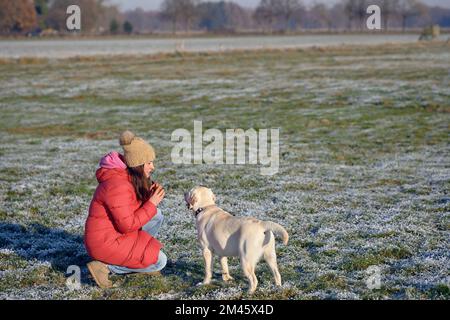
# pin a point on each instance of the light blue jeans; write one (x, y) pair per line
(152, 228)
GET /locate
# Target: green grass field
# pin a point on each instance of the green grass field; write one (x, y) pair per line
(363, 180)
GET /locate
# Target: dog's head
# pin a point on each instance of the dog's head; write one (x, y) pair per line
(199, 197)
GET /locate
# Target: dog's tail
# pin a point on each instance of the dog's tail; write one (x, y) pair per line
(277, 229)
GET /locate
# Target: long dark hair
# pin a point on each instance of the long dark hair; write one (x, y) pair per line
(140, 182)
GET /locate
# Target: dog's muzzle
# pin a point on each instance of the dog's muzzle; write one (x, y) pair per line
(187, 198)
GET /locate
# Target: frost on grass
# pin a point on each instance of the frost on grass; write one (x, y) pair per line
(364, 170)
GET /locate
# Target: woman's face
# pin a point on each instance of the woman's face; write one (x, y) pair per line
(148, 168)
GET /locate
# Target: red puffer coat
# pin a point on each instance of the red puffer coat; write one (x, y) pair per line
(113, 232)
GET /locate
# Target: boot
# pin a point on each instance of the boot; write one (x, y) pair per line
(99, 272)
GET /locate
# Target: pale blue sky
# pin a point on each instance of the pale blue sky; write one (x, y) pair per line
(155, 4)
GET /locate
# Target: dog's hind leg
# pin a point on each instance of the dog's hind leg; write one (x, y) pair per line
(207, 255)
(270, 256)
(249, 270)
(225, 274)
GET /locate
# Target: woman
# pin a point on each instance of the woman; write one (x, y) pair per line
(123, 216)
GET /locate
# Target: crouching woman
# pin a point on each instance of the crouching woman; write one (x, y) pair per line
(123, 216)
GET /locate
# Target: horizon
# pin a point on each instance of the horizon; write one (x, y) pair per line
(125, 5)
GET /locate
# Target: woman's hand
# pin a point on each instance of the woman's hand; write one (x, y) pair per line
(158, 195)
(154, 185)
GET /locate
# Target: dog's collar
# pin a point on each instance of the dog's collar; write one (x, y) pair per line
(198, 211)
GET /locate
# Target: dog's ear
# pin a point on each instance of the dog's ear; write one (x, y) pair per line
(213, 196)
(192, 200)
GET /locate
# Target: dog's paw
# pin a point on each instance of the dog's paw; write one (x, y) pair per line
(203, 283)
(227, 277)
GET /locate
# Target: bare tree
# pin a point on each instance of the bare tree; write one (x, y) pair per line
(408, 9)
(171, 11)
(285, 10)
(138, 17)
(350, 11)
(106, 15)
(388, 8)
(17, 16)
(355, 11)
(144, 21)
(240, 18)
(361, 12)
(265, 14)
(322, 15)
(338, 16)
(222, 16)
(189, 13)
(179, 11)
(41, 11)
(277, 13)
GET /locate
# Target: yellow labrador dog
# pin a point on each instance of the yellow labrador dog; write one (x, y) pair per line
(221, 233)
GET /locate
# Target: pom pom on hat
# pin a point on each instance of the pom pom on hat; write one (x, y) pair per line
(126, 137)
(136, 150)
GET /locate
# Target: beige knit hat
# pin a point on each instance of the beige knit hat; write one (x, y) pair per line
(137, 151)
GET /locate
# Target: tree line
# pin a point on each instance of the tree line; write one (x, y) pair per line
(270, 16)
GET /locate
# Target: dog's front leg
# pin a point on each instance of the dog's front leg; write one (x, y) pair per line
(225, 274)
(207, 255)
